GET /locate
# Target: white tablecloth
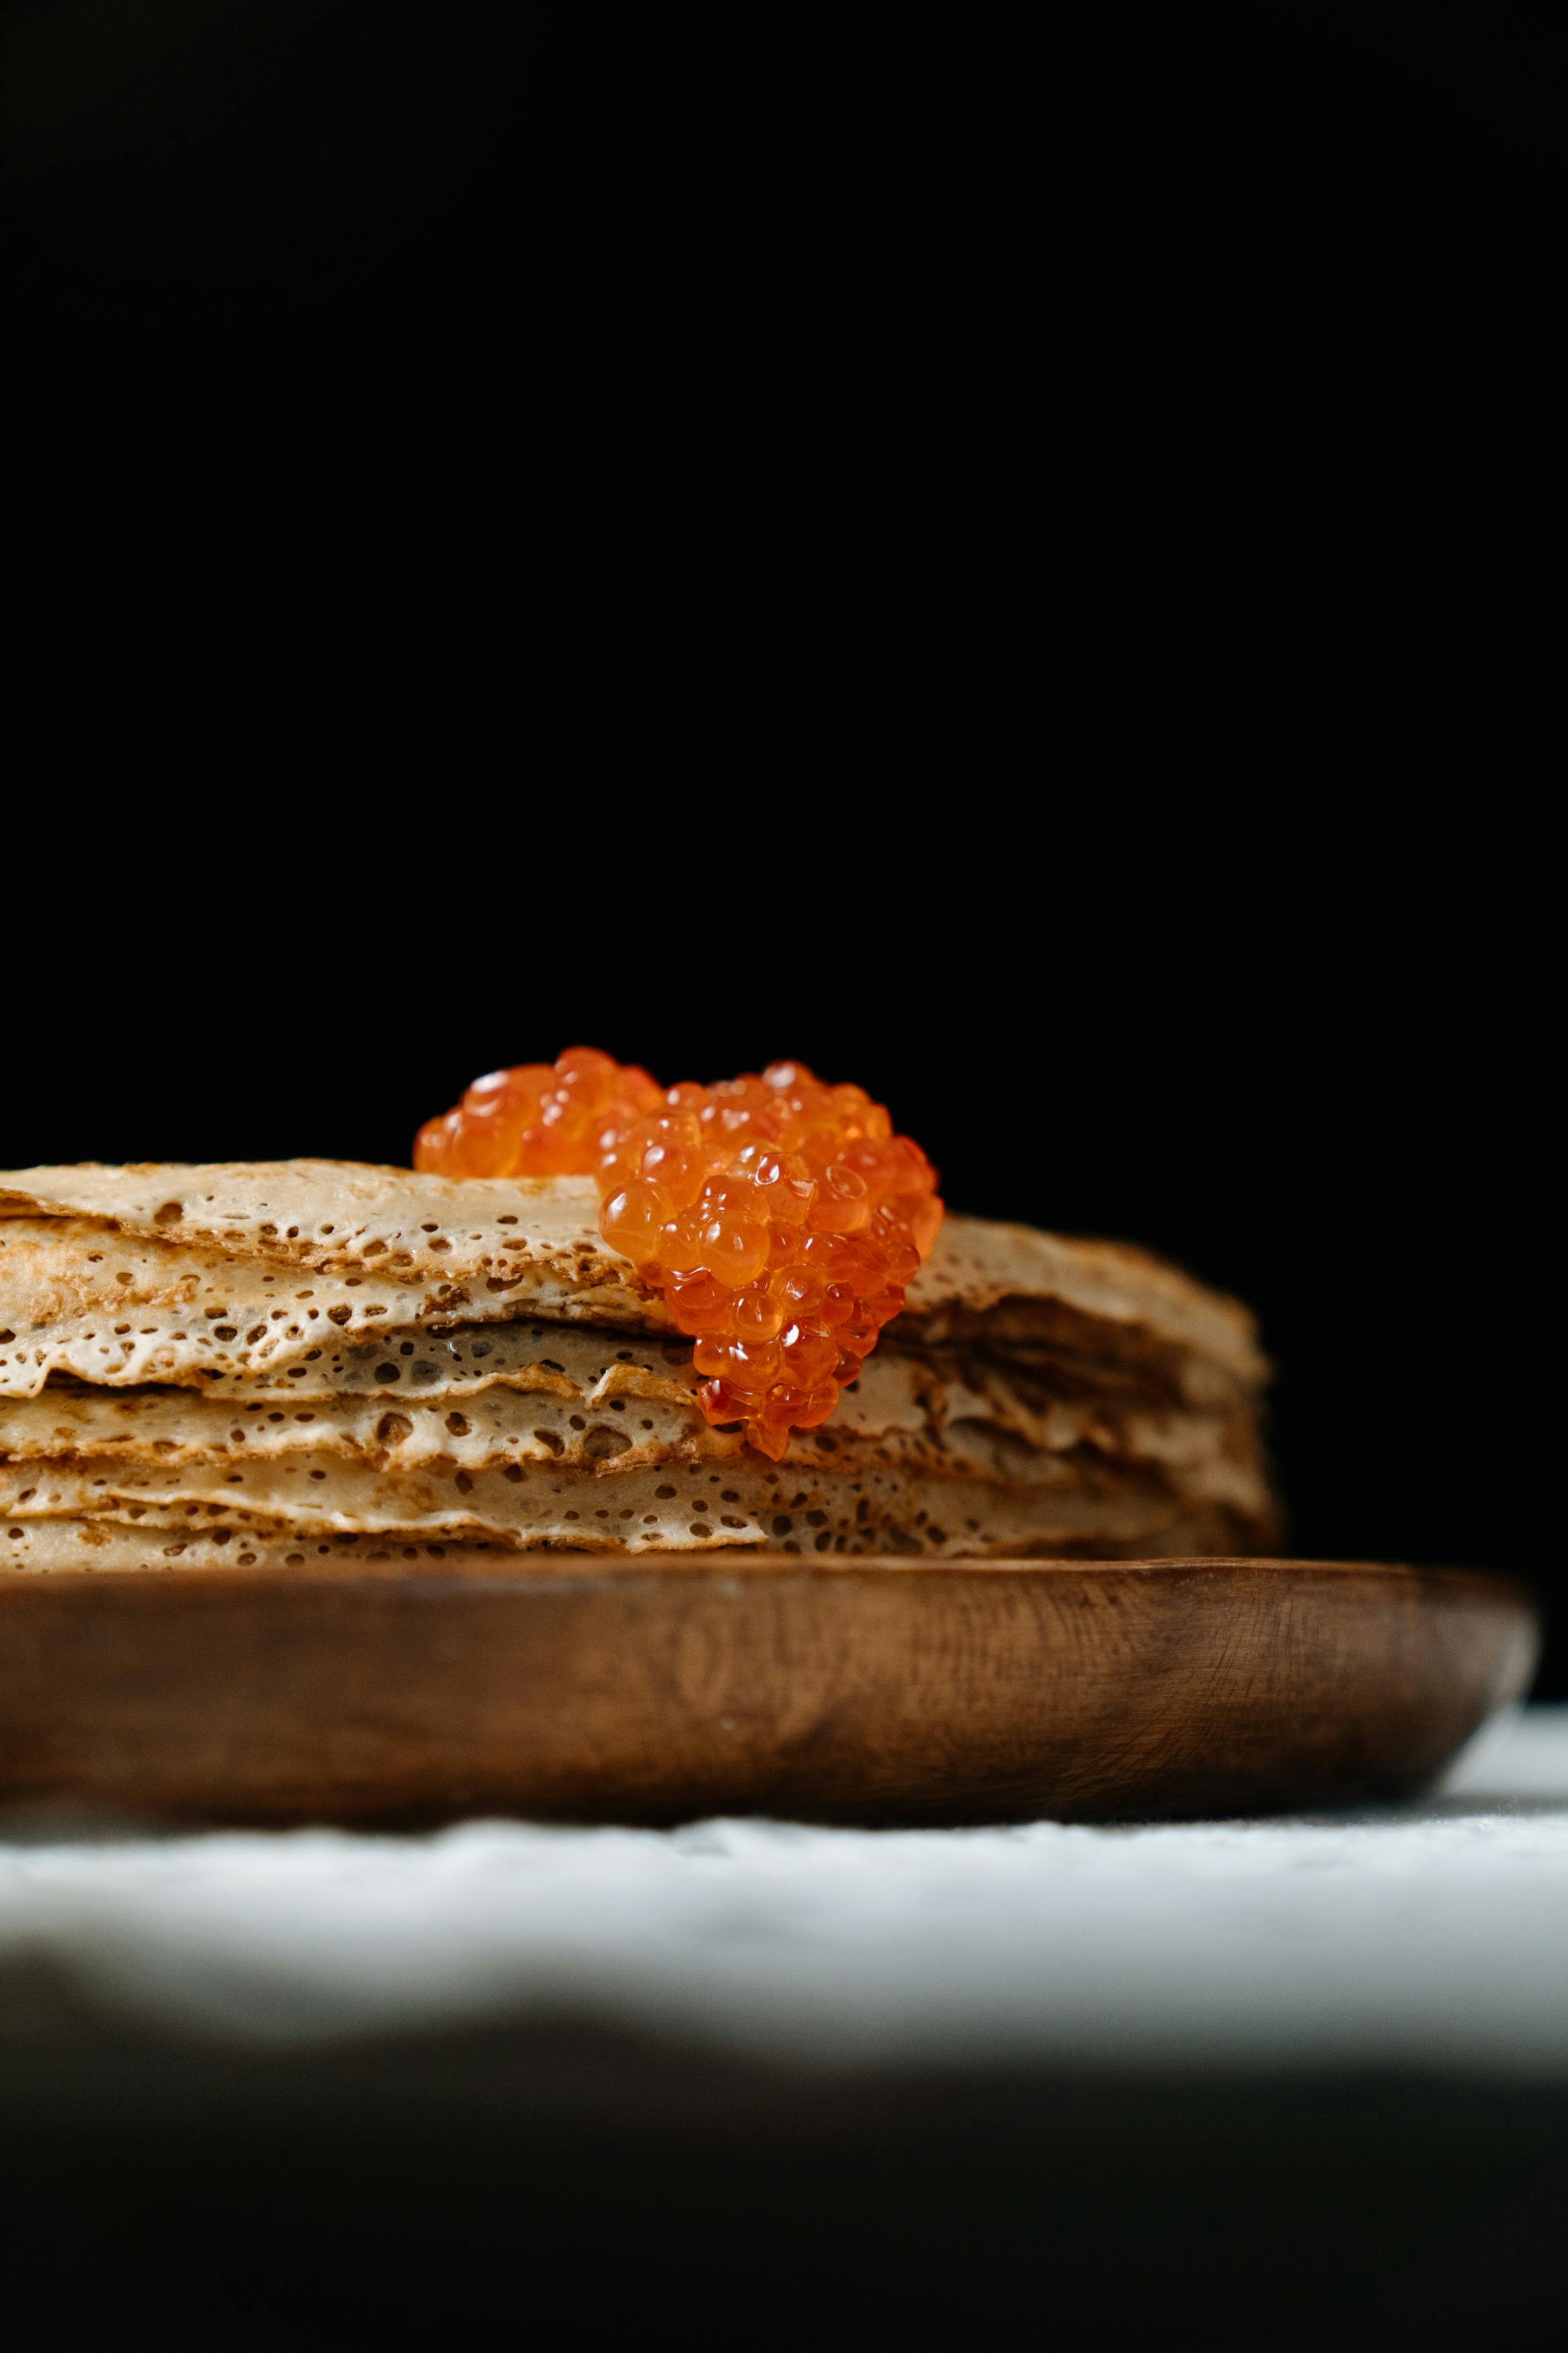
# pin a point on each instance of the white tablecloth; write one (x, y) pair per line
(1435, 1935)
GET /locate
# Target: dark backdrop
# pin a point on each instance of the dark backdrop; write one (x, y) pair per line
(1004, 563)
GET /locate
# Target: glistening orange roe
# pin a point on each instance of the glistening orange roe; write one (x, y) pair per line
(781, 1218)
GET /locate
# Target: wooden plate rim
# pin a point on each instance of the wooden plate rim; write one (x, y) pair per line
(540, 1568)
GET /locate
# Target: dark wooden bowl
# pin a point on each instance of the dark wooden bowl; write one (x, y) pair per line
(875, 1690)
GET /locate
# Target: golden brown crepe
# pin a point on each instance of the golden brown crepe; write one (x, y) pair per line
(228, 1381)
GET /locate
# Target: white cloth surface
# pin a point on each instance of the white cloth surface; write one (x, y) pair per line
(1435, 1934)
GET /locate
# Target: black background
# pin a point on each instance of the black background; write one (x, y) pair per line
(1004, 561)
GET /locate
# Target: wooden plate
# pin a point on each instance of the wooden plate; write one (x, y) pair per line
(878, 1691)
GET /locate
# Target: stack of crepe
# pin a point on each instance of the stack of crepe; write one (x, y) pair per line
(255, 1365)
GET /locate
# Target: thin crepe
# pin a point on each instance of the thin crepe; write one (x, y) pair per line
(333, 1461)
(504, 1244)
(125, 1309)
(537, 1239)
(820, 1507)
(299, 1351)
(1014, 1284)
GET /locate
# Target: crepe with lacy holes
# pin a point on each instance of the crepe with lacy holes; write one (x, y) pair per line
(809, 1509)
(314, 1352)
(426, 1246)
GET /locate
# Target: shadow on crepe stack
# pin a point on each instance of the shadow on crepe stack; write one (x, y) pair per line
(248, 1364)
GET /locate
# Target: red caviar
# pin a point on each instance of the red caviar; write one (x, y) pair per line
(781, 1218)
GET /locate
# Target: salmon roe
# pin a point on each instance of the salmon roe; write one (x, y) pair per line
(781, 1218)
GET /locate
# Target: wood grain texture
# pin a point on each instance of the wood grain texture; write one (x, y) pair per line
(568, 1687)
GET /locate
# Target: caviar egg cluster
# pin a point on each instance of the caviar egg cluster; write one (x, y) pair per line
(781, 1218)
